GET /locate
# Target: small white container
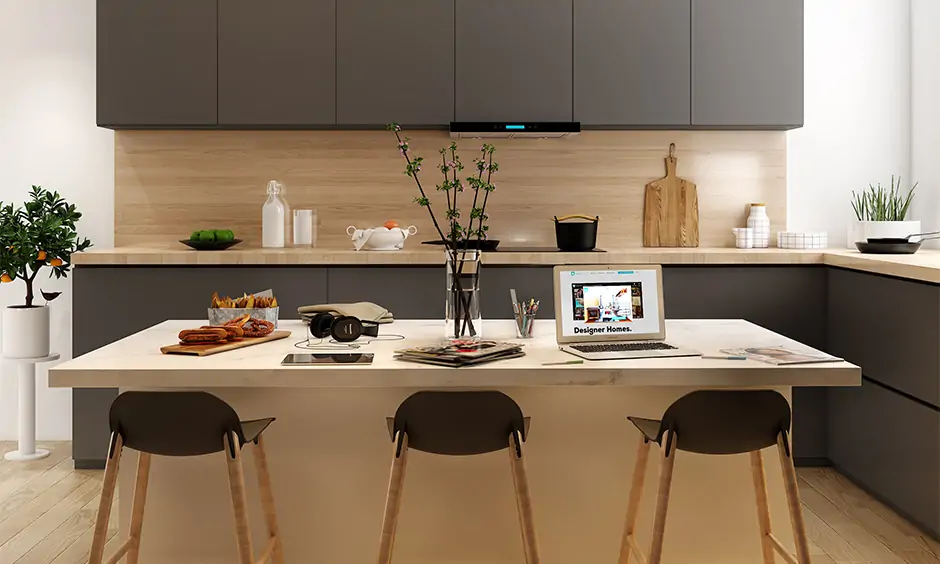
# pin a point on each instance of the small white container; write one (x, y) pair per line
(743, 237)
(305, 228)
(25, 332)
(801, 240)
(760, 223)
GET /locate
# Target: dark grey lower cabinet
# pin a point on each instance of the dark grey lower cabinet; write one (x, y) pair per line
(888, 444)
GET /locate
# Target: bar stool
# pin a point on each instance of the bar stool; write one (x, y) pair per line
(718, 422)
(183, 424)
(458, 424)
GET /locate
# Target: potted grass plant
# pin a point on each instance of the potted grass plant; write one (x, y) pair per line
(36, 236)
(882, 212)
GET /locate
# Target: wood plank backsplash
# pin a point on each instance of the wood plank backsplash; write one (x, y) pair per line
(168, 183)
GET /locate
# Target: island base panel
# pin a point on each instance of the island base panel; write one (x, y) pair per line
(329, 455)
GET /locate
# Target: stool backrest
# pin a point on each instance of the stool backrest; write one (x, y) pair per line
(173, 423)
(727, 421)
(458, 423)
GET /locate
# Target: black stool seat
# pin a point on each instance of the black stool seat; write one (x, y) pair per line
(458, 423)
(179, 423)
(721, 421)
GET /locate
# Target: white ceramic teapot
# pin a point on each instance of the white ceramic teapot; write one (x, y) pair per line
(380, 238)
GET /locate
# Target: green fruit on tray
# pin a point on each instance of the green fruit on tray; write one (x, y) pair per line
(207, 236)
(194, 236)
(224, 235)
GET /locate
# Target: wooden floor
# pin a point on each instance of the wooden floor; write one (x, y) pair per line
(47, 512)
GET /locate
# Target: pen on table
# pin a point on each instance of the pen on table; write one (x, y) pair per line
(723, 357)
(562, 362)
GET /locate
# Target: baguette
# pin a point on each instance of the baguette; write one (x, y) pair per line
(195, 336)
(232, 332)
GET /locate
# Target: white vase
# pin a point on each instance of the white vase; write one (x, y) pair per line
(760, 223)
(25, 332)
(864, 230)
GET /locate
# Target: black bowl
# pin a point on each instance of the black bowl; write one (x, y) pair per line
(210, 245)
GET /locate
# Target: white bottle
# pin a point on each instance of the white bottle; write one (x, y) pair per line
(760, 223)
(273, 217)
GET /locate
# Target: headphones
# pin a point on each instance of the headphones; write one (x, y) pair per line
(341, 328)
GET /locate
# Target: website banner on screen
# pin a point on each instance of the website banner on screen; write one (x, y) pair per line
(605, 303)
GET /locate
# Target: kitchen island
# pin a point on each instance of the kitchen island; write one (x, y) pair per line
(329, 450)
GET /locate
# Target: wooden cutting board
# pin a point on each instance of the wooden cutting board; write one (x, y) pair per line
(207, 349)
(670, 210)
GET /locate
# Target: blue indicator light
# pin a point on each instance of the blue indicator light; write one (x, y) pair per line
(515, 127)
(625, 272)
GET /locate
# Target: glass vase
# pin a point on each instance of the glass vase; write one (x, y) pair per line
(462, 317)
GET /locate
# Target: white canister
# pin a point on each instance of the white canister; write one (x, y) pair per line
(25, 332)
(760, 223)
(743, 237)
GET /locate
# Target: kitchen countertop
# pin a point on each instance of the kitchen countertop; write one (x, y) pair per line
(136, 361)
(923, 266)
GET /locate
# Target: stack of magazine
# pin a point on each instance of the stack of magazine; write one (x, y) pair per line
(781, 355)
(459, 353)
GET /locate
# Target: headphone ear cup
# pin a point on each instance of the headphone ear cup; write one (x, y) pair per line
(320, 325)
(346, 329)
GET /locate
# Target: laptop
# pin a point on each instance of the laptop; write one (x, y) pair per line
(612, 312)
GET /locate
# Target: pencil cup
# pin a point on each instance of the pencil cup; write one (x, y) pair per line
(524, 323)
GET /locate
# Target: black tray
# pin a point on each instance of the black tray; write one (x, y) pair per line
(471, 245)
(210, 245)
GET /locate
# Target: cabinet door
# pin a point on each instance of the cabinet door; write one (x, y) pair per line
(156, 63)
(747, 63)
(632, 62)
(514, 60)
(395, 62)
(276, 62)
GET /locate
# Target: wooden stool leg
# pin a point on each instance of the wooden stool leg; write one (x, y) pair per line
(396, 482)
(236, 477)
(628, 542)
(100, 537)
(267, 501)
(137, 513)
(793, 499)
(662, 497)
(763, 509)
(523, 500)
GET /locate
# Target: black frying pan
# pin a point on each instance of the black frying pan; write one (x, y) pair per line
(894, 245)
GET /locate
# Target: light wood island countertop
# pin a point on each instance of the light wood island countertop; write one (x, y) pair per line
(923, 266)
(136, 361)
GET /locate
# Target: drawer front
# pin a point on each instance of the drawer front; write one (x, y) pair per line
(891, 445)
(889, 327)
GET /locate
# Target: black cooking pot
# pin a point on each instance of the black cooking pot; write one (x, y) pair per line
(576, 236)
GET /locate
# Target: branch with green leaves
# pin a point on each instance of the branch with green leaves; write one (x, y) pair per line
(883, 204)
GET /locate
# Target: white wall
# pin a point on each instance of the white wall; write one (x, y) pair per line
(48, 136)
(925, 110)
(857, 109)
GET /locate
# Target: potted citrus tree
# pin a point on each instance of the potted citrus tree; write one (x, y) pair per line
(39, 234)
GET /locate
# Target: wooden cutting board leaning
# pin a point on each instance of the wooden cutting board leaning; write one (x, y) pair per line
(670, 210)
(205, 349)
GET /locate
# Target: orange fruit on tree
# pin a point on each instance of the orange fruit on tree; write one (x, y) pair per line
(5, 278)
(56, 262)
(41, 256)
(391, 224)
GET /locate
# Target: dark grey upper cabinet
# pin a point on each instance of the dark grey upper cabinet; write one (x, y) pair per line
(276, 62)
(156, 63)
(632, 62)
(513, 60)
(395, 62)
(747, 63)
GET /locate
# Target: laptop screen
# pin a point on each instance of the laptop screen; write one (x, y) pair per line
(608, 303)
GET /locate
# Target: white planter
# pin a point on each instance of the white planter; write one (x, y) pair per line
(863, 230)
(25, 332)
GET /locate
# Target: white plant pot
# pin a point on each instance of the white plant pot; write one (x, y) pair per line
(863, 230)
(25, 332)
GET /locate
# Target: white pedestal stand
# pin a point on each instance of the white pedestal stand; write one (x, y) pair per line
(26, 369)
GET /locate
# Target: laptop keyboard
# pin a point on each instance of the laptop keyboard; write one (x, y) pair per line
(619, 347)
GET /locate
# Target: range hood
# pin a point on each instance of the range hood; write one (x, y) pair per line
(507, 129)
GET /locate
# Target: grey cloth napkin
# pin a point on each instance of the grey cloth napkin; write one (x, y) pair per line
(365, 311)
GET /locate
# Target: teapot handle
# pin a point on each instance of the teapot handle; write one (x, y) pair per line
(350, 230)
(411, 230)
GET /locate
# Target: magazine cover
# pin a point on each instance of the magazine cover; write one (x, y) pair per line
(782, 355)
